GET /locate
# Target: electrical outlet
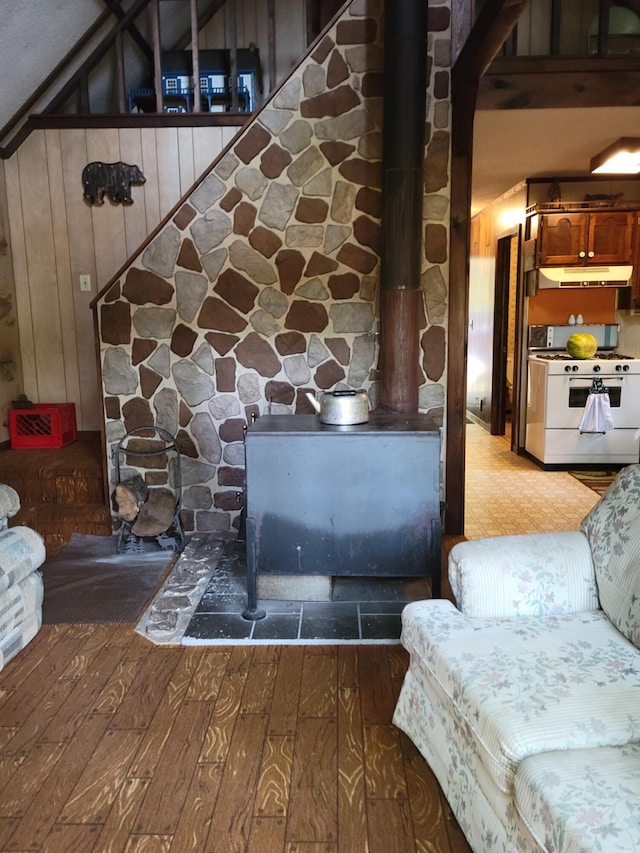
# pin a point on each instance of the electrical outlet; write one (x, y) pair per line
(85, 282)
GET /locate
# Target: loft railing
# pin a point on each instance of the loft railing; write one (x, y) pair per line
(118, 66)
(576, 28)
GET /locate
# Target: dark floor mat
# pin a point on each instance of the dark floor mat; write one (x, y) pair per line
(88, 581)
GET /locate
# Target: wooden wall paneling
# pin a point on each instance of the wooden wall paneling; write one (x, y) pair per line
(185, 160)
(21, 276)
(109, 238)
(228, 133)
(41, 271)
(9, 332)
(213, 35)
(247, 22)
(262, 42)
(240, 23)
(73, 145)
(291, 29)
(63, 267)
(207, 144)
(168, 169)
(136, 229)
(540, 27)
(523, 33)
(149, 168)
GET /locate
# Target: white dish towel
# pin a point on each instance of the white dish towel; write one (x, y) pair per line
(597, 411)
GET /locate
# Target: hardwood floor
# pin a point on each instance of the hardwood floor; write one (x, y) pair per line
(109, 743)
(61, 490)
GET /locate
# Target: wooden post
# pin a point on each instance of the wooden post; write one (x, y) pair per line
(233, 53)
(195, 53)
(122, 94)
(405, 78)
(157, 64)
(603, 27)
(271, 42)
(497, 19)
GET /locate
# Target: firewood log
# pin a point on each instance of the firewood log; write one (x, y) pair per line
(156, 514)
(129, 496)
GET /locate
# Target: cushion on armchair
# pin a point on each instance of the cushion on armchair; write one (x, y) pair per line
(582, 799)
(527, 575)
(613, 530)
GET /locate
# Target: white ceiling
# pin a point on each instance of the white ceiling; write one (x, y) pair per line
(511, 145)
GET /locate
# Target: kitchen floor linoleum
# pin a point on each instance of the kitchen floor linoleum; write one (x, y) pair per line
(508, 494)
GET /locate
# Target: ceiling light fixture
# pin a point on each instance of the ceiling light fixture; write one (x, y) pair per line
(621, 158)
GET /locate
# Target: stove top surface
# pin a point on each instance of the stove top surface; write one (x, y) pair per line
(603, 363)
(604, 355)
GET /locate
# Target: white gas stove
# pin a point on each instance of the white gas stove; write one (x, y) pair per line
(558, 387)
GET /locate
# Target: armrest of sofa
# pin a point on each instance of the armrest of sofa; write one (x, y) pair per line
(528, 575)
(22, 551)
(9, 504)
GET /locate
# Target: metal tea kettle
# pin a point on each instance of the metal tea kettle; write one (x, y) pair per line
(342, 408)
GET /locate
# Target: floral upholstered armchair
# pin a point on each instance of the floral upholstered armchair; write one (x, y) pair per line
(525, 697)
(22, 552)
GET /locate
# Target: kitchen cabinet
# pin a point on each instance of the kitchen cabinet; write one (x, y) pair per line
(360, 500)
(583, 238)
(633, 300)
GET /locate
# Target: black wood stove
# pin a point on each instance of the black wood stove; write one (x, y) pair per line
(359, 500)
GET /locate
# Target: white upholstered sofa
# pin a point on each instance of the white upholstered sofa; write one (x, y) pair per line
(525, 698)
(22, 552)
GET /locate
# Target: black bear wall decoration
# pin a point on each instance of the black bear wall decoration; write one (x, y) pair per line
(111, 179)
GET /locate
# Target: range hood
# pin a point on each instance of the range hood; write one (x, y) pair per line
(600, 276)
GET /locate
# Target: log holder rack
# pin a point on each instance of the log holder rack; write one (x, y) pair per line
(173, 537)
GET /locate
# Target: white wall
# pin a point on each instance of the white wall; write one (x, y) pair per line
(34, 36)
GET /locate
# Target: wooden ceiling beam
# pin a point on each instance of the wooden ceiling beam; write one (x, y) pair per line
(523, 82)
(105, 45)
(115, 7)
(493, 26)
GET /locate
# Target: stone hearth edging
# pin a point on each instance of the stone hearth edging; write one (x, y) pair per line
(166, 619)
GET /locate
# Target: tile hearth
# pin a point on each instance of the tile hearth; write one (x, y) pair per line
(201, 603)
(360, 610)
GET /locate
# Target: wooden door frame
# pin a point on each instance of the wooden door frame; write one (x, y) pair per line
(494, 23)
(500, 326)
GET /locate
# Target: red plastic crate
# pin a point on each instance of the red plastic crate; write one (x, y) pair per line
(44, 425)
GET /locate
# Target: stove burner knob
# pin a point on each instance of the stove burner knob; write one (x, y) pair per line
(567, 368)
(618, 367)
(596, 368)
(574, 367)
(625, 367)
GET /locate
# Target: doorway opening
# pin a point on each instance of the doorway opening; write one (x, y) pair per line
(504, 335)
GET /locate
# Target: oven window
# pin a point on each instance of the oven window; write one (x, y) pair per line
(578, 397)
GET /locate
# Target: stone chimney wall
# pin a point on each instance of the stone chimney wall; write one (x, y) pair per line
(263, 284)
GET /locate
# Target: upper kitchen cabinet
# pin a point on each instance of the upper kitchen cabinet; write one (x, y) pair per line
(602, 237)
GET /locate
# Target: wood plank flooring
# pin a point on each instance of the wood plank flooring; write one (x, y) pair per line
(61, 490)
(109, 743)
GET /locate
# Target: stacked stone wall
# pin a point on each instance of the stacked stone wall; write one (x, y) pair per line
(263, 285)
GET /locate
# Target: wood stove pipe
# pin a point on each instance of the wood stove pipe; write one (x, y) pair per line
(403, 137)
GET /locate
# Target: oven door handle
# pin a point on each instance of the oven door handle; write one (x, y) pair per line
(604, 379)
